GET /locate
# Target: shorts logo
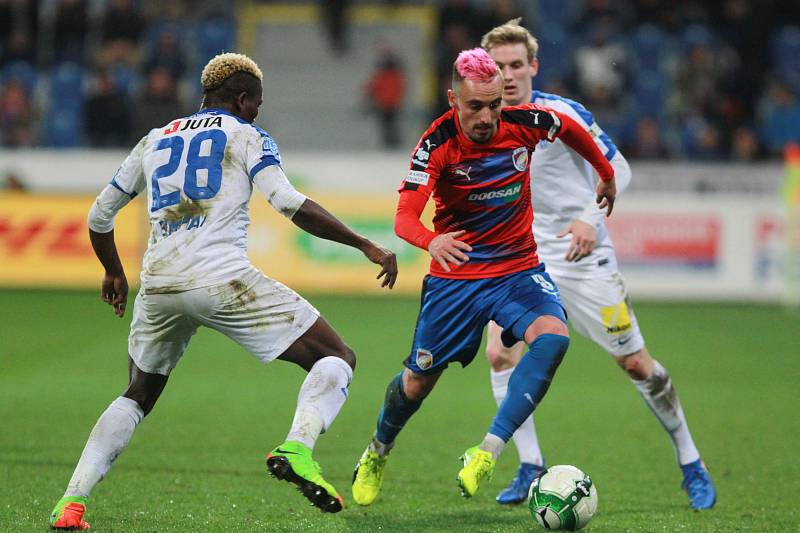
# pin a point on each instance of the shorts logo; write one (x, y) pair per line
(415, 176)
(520, 158)
(424, 358)
(616, 318)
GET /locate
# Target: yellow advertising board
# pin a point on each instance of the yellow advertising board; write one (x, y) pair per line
(286, 253)
(44, 243)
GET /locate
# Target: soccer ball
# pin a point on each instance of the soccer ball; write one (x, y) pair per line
(564, 498)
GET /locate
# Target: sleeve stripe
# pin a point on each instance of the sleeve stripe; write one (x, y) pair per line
(116, 186)
(265, 162)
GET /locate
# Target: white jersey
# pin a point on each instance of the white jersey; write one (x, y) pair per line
(198, 172)
(563, 189)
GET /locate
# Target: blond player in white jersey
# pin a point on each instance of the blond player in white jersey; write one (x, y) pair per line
(198, 173)
(574, 244)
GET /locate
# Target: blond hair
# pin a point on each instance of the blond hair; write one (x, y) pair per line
(223, 66)
(511, 33)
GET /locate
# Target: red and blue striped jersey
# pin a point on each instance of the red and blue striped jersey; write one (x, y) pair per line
(484, 189)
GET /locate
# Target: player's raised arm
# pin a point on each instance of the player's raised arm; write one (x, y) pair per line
(316, 220)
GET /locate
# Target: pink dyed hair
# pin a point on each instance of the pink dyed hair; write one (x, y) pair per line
(475, 64)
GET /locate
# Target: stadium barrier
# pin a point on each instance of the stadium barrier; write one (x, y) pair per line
(678, 245)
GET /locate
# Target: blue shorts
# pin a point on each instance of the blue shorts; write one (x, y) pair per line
(454, 312)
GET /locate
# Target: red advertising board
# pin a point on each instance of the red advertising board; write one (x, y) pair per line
(661, 239)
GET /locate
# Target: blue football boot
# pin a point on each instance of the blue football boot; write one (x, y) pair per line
(517, 491)
(697, 483)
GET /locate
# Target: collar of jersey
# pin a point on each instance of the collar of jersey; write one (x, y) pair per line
(469, 142)
(218, 111)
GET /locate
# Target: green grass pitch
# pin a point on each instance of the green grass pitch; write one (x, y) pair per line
(197, 462)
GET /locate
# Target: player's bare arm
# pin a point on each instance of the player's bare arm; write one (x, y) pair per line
(446, 248)
(316, 220)
(114, 287)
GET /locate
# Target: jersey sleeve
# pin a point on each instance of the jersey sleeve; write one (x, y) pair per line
(533, 123)
(584, 118)
(130, 178)
(415, 189)
(261, 151)
(424, 169)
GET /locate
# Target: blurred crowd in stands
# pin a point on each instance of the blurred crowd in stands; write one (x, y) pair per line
(101, 73)
(705, 80)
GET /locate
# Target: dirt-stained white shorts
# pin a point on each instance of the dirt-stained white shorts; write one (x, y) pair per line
(600, 309)
(263, 315)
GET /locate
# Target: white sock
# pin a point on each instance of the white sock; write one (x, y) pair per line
(321, 397)
(660, 396)
(525, 436)
(108, 438)
(380, 448)
(493, 444)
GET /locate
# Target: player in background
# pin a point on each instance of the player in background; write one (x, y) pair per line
(584, 268)
(199, 172)
(474, 160)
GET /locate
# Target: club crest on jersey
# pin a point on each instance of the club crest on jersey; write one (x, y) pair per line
(424, 358)
(270, 148)
(520, 158)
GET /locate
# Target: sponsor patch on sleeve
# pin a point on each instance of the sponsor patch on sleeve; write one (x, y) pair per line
(418, 177)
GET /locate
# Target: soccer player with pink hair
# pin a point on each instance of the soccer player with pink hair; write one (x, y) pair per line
(475, 161)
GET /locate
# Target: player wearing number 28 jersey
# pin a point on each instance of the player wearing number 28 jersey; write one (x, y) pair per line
(198, 233)
(199, 172)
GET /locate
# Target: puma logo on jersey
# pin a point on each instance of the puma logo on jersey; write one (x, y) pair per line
(462, 172)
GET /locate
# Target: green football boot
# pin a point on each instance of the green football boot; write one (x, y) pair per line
(478, 467)
(68, 514)
(367, 477)
(291, 461)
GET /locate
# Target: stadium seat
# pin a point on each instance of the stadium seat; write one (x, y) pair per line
(21, 71)
(649, 47)
(697, 35)
(555, 60)
(786, 56)
(64, 124)
(650, 89)
(124, 78)
(554, 13)
(214, 35)
(65, 128)
(66, 85)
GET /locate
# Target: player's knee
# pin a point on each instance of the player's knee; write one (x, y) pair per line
(637, 365)
(499, 358)
(347, 355)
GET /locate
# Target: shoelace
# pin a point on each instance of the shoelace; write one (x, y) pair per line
(484, 466)
(694, 481)
(519, 482)
(371, 463)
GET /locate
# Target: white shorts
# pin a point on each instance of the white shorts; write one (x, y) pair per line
(264, 316)
(600, 310)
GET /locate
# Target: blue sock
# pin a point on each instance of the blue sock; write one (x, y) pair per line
(396, 411)
(528, 384)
